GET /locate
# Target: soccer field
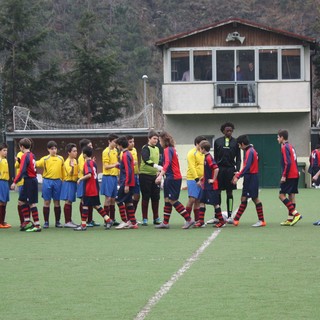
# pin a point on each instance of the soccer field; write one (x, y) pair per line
(243, 273)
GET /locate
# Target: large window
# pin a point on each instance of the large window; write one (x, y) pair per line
(291, 63)
(225, 65)
(180, 68)
(268, 64)
(202, 65)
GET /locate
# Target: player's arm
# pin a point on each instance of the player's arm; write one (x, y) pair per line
(40, 163)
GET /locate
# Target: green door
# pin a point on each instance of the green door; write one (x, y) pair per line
(269, 159)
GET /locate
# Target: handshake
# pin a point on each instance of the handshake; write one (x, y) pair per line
(158, 167)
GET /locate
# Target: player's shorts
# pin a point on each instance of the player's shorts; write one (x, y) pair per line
(209, 197)
(171, 188)
(109, 186)
(124, 197)
(290, 186)
(91, 201)
(225, 177)
(193, 189)
(250, 186)
(149, 188)
(29, 191)
(51, 189)
(80, 189)
(136, 188)
(68, 191)
(4, 191)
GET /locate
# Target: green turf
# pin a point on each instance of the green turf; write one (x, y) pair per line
(246, 273)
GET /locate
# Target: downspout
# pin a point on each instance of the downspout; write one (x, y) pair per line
(311, 82)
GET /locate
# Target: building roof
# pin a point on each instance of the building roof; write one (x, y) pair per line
(161, 42)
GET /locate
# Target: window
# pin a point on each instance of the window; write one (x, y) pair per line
(225, 65)
(268, 64)
(291, 64)
(202, 65)
(180, 68)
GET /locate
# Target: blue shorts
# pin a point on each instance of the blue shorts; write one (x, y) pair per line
(136, 188)
(290, 186)
(109, 186)
(29, 191)
(92, 201)
(68, 191)
(4, 191)
(193, 189)
(80, 187)
(171, 188)
(209, 197)
(124, 197)
(250, 186)
(51, 189)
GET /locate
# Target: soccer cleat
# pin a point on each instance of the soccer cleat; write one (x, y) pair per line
(34, 229)
(188, 224)
(115, 223)
(122, 225)
(199, 225)
(220, 225)
(93, 224)
(235, 223)
(286, 223)
(80, 228)
(296, 218)
(5, 225)
(162, 225)
(212, 221)
(157, 221)
(317, 223)
(59, 224)
(26, 225)
(229, 220)
(145, 222)
(108, 224)
(259, 224)
(70, 224)
(46, 225)
(133, 226)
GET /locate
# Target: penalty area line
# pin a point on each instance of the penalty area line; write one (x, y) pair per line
(175, 277)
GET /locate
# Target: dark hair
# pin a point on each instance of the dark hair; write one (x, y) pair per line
(3, 146)
(123, 142)
(243, 139)
(51, 144)
(70, 146)
(198, 139)
(129, 137)
(25, 142)
(283, 133)
(153, 133)
(167, 139)
(87, 151)
(227, 124)
(83, 143)
(112, 137)
(204, 144)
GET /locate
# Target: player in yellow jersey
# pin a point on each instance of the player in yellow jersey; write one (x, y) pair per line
(195, 161)
(69, 184)
(4, 185)
(53, 174)
(109, 184)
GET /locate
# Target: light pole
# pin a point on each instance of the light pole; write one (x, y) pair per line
(145, 78)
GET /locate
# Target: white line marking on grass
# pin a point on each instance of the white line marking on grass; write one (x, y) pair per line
(175, 277)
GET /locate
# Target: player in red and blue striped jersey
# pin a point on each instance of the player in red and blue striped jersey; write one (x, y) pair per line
(315, 165)
(28, 195)
(289, 178)
(249, 172)
(172, 183)
(209, 187)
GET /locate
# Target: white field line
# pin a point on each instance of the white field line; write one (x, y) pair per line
(175, 277)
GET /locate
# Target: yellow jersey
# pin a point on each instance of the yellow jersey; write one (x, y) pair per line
(80, 165)
(195, 161)
(53, 167)
(4, 169)
(110, 156)
(17, 166)
(71, 172)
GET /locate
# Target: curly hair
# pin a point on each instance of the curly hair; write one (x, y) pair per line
(167, 139)
(227, 124)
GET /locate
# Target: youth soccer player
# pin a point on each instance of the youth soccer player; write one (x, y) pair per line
(19, 185)
(69, 184)
(4, 185)
(127, 184)
(209, 187)
(289, 178)
(195, 159)
(172, 183)
(249, 172)
(315, 166)
(90, 194)
(29, 192)
(109, 183)
(53, 173)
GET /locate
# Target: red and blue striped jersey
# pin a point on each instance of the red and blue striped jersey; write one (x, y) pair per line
(27, 167)
(210, 166)
(91, 185)
(171, 163)
(250, 162)
(127, 169)
(289, 163)
(315, 159)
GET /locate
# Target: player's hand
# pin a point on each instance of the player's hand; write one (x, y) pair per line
(12, 187)
(210, 181)
(94, 159)
(234, 180)
(71, 162)
(283, 179)
(158, 179)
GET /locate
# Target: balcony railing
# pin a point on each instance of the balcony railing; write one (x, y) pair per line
(236, 94)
